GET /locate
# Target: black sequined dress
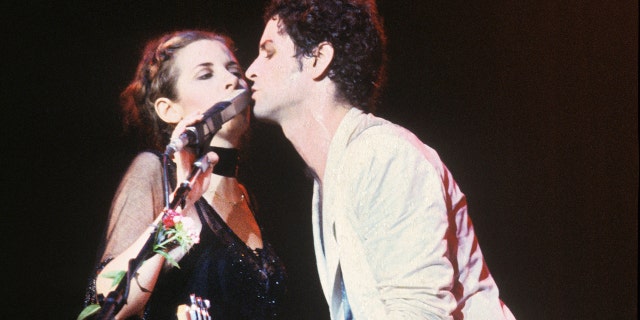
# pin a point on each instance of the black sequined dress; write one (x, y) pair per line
(239, 282)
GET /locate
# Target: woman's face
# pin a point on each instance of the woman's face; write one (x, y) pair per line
(207, 73)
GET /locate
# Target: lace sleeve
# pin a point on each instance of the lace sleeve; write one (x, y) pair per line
(138, 200)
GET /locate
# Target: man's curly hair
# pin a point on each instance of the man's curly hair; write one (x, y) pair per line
(354, 29)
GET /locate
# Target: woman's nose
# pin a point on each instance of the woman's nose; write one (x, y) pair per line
(236, 84)
(232, 82)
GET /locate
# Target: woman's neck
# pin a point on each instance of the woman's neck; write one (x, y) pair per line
(224, 188)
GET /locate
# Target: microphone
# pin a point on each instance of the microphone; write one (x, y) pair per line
(200, 134)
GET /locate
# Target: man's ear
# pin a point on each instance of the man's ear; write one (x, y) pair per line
(323, 55)
(168, 111)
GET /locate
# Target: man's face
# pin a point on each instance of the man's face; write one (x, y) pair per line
(278, 82)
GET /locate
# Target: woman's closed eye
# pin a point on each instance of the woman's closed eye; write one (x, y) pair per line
(205, 75)
(237, 72)
(235, 69)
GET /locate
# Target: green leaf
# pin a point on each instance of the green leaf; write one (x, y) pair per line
(169, 258)
(117, 276)
(88, 311)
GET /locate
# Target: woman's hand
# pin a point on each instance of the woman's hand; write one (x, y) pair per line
(185, 159)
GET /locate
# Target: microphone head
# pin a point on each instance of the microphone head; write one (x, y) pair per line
(239, 100)
(217, 115)
(200, 134)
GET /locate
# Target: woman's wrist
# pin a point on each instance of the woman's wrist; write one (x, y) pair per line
(175, 230)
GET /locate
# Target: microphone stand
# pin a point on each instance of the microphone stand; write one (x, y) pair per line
(116, 299)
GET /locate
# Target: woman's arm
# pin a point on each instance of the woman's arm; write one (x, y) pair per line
(142, 285)
(135, 213)
(135, 210)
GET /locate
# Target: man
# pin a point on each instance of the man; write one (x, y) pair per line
(391, 231)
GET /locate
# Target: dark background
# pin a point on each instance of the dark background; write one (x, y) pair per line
(531, 104)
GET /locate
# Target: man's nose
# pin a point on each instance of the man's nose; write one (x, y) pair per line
(251, 71)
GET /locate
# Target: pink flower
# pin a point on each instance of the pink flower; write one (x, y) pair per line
(187, 223)
(189, 226)
(194, 237)
(169, 219)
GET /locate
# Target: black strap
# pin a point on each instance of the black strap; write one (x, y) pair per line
(227, 166)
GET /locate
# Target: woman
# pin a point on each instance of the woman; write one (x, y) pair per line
(181, 75)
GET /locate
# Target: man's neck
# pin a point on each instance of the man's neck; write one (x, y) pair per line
(311, 133)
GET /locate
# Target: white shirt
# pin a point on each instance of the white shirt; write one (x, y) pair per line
(392, 219)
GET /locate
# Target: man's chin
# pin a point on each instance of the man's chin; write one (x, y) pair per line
(261, 113)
